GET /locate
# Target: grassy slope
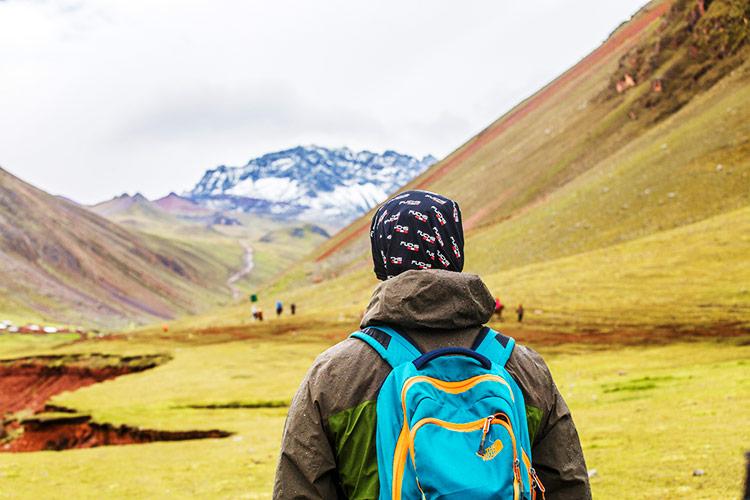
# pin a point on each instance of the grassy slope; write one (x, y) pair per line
(573, 173)
(665, 179)
(276, 243)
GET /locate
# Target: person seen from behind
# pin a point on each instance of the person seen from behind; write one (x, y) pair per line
(519, 311)
(328, 448)
(499, 308)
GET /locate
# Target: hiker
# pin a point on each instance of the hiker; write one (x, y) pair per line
(279, 308)
(260, 314)
(254, 310)
(293, 308)
(328, 449)
(499, 308)
(519, 311)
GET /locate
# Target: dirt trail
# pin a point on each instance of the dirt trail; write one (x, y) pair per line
(248, 266)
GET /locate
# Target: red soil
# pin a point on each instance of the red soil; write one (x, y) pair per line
(28, 383)
(79, 432)
(559, 87)
(632, 336)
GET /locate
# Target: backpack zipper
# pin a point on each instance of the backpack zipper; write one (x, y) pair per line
(536, 483)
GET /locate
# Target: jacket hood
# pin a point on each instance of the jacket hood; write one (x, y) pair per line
(430, 298)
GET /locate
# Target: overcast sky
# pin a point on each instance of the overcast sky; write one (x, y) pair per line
(101, 97)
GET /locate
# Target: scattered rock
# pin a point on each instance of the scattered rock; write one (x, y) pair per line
(699, 472)
(671, 195)
(626, 82)
(719, 167)
(664, 146)
(592, 473)
(622, 372)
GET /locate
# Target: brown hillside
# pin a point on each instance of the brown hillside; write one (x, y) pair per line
(71, 265)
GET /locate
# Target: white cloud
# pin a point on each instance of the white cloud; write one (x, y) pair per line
(105, 96)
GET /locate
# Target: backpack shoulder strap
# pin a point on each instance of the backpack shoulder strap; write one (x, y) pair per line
(494, 345)
(394, 347)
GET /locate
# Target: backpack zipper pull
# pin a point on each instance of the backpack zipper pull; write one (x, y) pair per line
(535, 482)
(485, 430)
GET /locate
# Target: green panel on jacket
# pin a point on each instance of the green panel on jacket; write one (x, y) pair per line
(353, 434)
(534, 421)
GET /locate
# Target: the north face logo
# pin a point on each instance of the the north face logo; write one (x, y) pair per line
(492, 451)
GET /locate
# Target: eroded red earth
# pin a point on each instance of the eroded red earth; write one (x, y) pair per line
(80, 432)
(28, 383)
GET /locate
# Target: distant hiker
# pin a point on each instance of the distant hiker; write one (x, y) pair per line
(260, 314)
(293, 307)
(254, 310)
(165, 328)
(519, 311)
(335, 447)
(279, 308)
(499, 308)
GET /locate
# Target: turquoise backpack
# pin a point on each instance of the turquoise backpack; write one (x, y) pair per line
(451, 423)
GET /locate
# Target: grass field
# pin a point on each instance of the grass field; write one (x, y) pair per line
(648, 416)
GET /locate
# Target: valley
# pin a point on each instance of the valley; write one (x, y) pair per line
(614, 204)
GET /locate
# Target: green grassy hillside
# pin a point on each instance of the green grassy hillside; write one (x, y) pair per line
(582, 165)
(276, 242)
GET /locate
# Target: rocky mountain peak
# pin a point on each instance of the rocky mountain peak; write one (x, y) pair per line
(309, 182)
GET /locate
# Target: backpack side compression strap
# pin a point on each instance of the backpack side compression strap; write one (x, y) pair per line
(394, 348)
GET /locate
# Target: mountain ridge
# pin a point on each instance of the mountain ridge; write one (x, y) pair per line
(308, 182)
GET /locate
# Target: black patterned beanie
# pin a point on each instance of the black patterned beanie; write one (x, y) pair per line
(416, 230)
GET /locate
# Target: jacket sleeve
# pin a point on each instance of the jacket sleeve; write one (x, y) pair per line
(556, 452)
(306, 468)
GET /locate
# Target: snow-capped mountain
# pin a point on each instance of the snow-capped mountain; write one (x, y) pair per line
(310, 182)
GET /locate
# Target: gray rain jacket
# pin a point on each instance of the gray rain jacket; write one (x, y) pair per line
(328, 446)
